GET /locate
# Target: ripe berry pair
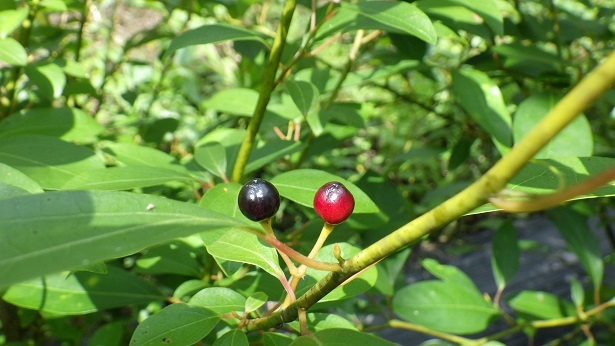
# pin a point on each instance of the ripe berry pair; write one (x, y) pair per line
(259, 200)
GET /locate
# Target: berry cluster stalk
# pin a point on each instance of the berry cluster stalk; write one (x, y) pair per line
(580, 97)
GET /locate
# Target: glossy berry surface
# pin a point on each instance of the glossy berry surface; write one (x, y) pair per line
(333, 203)
(258, 200)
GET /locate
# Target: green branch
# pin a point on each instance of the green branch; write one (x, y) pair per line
(579, 98)
(266, 89)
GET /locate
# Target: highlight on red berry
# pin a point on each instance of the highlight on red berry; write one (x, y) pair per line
(258, 200)
(333, 203)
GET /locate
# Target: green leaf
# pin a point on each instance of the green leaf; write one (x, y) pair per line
(390, 16)
(48, 161)
(35, 239)
(176, 324)
(580, 239)
(540, 305)
(212, 33)
(276, 339)
(466, 13)
(110, 334)
(240, 246)
(82, 292)
(222, 198)
(300, 186)
(12, 52)
(49, 78)
(460, 152)
(504, 254)
(445, 306)
(11, 20)
(550, 175)
(221, 300)
(271, 151)
(255, 301)
(11, 176)
(448, 273)
(234, 337)
(177, 257)
(576, 139)
(359, 285)
(380, 73)
(8, 191)
(54, 5)
(135, 155)
(123, 178)
(340, 337)
(237, 101)
(481, 98)
(212, 157)
(188, 288)
(96, 268)
(321, 321)
(69, 124)
(527, 60)
(305, 95)
(577, 293)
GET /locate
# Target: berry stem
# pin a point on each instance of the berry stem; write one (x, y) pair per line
(283, 248)
(324, 234)
(269, 233)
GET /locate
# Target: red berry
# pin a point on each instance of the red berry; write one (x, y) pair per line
(258, 200)
(333, 203)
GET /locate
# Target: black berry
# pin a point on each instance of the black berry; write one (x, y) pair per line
(258, 200)
(333, 203)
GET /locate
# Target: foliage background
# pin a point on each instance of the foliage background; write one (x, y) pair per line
(105, 95)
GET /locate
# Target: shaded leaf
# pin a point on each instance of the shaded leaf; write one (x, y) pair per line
(305, 95)
(221, 300)
(212, 33)
(241, 246)
(50, 79)
(320, 321)
(540, 305)
(212, 157)
(481, 98)
(233, 337)
(176, 257)
(444, 306)
(580, 239)
(255, 301)
(11, 176)
(35, 241)
(69, 124)
(48, 161)
(180, 324)
(237, 101)
(123, 178)
(339, 337)
(82, 292)
(504, 254)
